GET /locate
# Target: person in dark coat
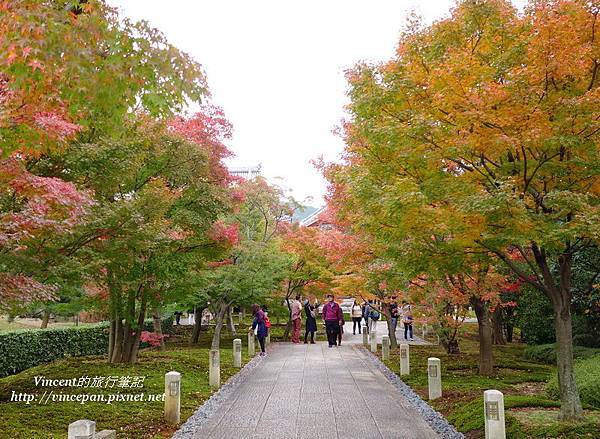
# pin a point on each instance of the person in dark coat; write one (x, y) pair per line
(311, 322)
(259, 326)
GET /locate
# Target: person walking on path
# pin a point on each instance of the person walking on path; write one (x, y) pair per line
(332, 316)
(357, 316)
(296, 319)
(366, 309)
(373, 317)
(311, 322)
(407, 320)
(394, 313)
(259, 326)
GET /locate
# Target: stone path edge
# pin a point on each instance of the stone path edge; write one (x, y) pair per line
(433, 418)
(212, 404)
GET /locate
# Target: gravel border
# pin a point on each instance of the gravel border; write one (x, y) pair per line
(210, 406)
(435, 419)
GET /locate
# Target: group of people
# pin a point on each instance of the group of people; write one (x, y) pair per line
(333, 317)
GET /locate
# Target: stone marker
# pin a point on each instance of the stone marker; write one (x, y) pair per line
(172, 397)
(385, 347)
(106, 434)
(214, 368)
(365, 335)
(434, 378)
(82, 429)
(237, 352)
(373, 336)
(251, 350)
(404, 359)
(493, 409)
(268, 339)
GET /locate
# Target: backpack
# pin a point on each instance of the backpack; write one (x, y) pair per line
(267, 322)
(375, 315)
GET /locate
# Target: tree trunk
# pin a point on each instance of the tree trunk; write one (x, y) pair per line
(560, 296)
(230, 324)
(216, 341)
(486, 358)
(197, 325)
(45, 319)
(388, 317)
(157, 326)
(570, 404)
(498, 326)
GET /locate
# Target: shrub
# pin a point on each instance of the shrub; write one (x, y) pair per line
(20, 350)
(546, 353)
(587, 375)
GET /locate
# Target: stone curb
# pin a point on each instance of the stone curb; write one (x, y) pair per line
(433, 418)
(212, 404)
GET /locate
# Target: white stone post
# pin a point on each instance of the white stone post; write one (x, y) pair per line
(214, 368)
(237, 352)
(82, 429)
(373, 336)
(385, 347)
(404, 359)
(251, 349)
(434, 375)
(493, 408)
(172, 397)
(268, 339)
(365, 335)
(106, 434)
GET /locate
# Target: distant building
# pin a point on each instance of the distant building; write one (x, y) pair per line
(319, 218)
(246, 172)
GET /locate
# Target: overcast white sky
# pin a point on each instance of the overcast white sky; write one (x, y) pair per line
(277, 69)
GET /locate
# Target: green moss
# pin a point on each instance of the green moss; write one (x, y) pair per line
(130, 419)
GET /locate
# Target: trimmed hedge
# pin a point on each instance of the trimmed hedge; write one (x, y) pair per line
(546, 353)
(587, 376)
(22, 349)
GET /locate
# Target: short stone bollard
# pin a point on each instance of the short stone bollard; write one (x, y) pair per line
(106, 434)
(434, 376)
(493, 401)
(214, 368)
(268, 339)
(172, 397)
(237, 352)
(251, 349)
(373, 336)
(82, 429)
(365, 335)
(404, 359)
(385, 347)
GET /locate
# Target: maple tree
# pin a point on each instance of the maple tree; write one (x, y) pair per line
(484, 130)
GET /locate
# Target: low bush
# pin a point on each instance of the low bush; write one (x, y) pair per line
(546, 353)
(587, 375)
(22, 349)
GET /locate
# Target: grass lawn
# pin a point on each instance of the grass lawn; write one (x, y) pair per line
(522, 382)
(29, 323)
(130, 419)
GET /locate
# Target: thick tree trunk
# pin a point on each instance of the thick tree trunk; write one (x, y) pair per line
(216, 340)
(486, 358)
(230, 324)
(157, 326)
(391, 332)
(197, 325)
(498, 326)
(45, 319)
(570, 407)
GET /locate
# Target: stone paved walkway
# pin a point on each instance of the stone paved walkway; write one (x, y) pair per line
(312, 391)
